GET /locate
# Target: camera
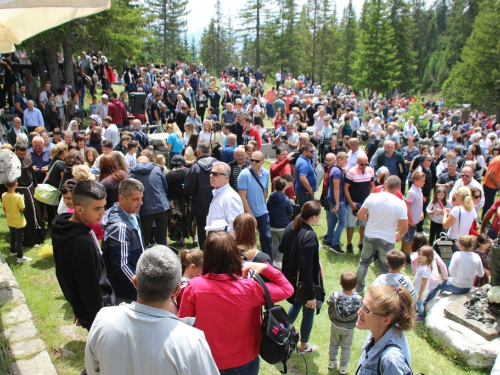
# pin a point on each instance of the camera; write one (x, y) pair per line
(284, 136)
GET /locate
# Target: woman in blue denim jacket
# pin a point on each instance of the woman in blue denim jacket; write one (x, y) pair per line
(386, 313)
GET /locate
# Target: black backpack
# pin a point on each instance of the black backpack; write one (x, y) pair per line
(279, 337)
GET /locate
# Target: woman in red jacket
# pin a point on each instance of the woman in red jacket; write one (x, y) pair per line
(227, 305)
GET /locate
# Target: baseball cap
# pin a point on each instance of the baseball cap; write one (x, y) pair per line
(104, 96)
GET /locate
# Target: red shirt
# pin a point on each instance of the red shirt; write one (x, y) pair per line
(380, 188)
(280, 169)
(496, 219)
(117, 111)
(228, 312)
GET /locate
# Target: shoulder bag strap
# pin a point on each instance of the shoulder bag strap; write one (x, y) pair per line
(300, 258)
(48, 173)
(258, 278)
(256, 179)
(388, 346)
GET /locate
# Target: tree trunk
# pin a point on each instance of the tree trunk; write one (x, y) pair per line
(41, 65)
(53, 68)
(69, 73)
(257, 39)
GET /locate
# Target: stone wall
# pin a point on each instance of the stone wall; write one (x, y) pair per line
(27, 351)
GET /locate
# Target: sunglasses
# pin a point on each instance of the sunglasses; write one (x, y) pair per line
(363, 164)
(477, 197)
(255, 160)
(217, 173)
(465, 174)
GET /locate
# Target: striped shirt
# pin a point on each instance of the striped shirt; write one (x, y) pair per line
(359, 183)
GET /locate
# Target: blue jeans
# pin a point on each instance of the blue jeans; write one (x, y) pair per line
(302, 198)
(307, 319)
(81, 99)
(264, 228)
(251, 368)
(338, 219)
(446, 287)
(370, 247)
(489, 199)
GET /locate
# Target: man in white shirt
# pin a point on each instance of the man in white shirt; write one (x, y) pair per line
(111, 131)
(387, 220)
(468, 180)
(353, 153)
(226, 203)
(102, 107)
(161, 343)
(278, 80)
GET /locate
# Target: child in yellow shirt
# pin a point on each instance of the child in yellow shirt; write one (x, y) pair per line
(13, 206)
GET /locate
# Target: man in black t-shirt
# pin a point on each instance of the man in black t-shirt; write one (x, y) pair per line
(449, 178)
(155, 110)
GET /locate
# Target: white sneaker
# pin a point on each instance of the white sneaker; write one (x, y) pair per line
(308, 349)
(13, 254)
(195, 239)
(342, 370)
(277, 264)
(425, 234)
(333, 364)
(23, 259)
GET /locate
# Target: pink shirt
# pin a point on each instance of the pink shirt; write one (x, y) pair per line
(228, 312)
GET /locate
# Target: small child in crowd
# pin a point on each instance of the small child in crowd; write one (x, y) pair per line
(421, 281)
(435, 210)
(418, 241)
(483, 244)
(13, 206)
(131, 155)
(396, 261)
(192, 264)
(415, 204)
(93, 106)
(343, 309)
(280, 211)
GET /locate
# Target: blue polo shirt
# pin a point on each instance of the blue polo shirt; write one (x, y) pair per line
(255, 197)
(40, 161)
(176, 142)
(303, 167)
(227, 154)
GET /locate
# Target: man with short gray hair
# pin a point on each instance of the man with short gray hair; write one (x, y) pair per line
(161, 343)
(226, 203)
(122, 243)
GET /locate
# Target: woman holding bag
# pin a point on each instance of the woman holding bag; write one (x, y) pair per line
(300, 248)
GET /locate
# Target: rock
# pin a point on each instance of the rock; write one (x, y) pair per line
(494, 262)
(11, 295)
(65, 353)
(18, 314)
(7, 279)
(476, 351)
(26, 348)
(38, 365)
(20, 332)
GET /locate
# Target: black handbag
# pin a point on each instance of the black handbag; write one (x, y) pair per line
(279, 336)
(300, 295)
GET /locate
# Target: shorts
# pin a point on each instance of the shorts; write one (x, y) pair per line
(352, 219)
(410, 234)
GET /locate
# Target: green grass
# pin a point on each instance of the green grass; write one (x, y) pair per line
(53, 317)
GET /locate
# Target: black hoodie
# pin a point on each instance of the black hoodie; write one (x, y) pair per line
(80, 269)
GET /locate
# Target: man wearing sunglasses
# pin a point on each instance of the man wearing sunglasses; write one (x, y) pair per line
(226, 203)
(253, 185)
(359, 183)
(468, 180)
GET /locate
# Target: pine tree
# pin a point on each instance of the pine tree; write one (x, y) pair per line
(348, 32)
(376, 66)
(403, 26)
(251, 18)
(168, 26)
(476, 78)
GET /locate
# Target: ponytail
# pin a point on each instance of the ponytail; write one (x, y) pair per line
(297, 222)
(467, 201)
(396, 303)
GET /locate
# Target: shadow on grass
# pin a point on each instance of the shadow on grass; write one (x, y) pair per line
(43, 263)
(68, 311)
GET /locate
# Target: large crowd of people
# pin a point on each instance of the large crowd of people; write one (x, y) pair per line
(124, 202)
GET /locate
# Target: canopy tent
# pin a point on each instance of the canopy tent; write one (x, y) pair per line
(22, 19)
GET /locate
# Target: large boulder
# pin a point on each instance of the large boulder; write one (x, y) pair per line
(476, 351)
